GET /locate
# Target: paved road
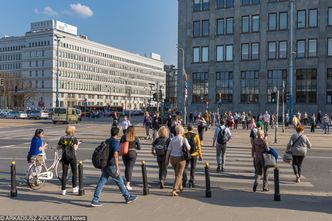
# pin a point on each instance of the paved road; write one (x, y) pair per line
(231, 189)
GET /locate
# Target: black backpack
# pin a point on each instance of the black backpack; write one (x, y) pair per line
(68, 152)
(161, 146)
(100, 155)
(191, 140)
(222, 136)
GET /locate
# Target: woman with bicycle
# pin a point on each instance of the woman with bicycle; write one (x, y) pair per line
(37, 147)
(69, 144)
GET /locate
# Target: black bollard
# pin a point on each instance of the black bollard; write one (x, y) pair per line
(81, 191)
(145, 179)
(276, 185)
(13, 189)
(208, 193)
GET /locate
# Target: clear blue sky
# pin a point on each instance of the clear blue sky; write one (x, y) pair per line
(140, 26)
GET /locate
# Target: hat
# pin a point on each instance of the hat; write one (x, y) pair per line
(259, 124)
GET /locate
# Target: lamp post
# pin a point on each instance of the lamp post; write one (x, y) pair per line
(291, 63)
(57, 39)
(185, 87)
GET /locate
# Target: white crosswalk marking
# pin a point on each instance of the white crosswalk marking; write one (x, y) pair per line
(238, 172)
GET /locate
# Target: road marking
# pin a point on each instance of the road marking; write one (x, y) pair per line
(8, 146)
(318, 157)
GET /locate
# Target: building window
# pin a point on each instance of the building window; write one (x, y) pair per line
(196, 57)
(313, 18)
(220, 26)
(272, 21)
(197, 5)
(245, 24)
(205, 28)
(229, 25)
(283, 21)
(306, 86)
(229, 52)
(200, 87)
(229, 3)
(275, 80)
(329, 86)
(224, 87)
(220, 4)
(196, 28)
(255, 51)
(220, 53)
(329, 16)
(244, 52)
(205, 54)
(329, 47)
(249, 87)
(301, 18)
(272, 50)
(255, 2)
(245, 2)
(255, 23)
(312, 48)
(282, 49)
(206, 5)
(300, 48)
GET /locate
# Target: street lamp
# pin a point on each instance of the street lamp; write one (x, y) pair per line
(185, 86)
(57, 68)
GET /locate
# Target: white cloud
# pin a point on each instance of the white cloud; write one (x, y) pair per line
(81, 10)
(49, 11)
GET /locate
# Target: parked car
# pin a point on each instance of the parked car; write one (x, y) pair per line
(65, 115)
(16, 115)
(38, 114)
(3, 113)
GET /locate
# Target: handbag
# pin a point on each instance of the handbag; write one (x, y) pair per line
(287, 157)
(186, 152)
(269, 160)
(124, 148)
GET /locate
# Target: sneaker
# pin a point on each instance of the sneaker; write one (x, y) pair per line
(95, 204)
(254, 188)
(266, 189)
(131, 199)
(218, 169)
(129, 187)
(161, 184)
(75, 190)
(222, 169)
(63, 192)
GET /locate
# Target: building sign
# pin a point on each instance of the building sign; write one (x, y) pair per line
(66, 27)
(53, 24)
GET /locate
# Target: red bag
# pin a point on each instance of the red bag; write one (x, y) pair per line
(124, 148)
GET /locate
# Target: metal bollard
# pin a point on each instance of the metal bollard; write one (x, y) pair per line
(81, 191)
(145, 179)
(276, 185)
(13, 189)
(208, 193)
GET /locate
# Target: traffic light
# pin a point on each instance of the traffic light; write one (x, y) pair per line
(287, 96)
(155, 97)
(2, 81)
(274, 97)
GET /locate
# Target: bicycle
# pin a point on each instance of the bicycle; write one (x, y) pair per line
(38, 172)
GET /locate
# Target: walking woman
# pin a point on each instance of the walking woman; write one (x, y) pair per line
(313, 123)
(159, 149)
(298, 145)
(201, 124)
(259, 146)
(147, 123)
(130, 158)
(69, 145)
(175, 156)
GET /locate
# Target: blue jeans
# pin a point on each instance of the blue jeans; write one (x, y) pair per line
(326, 128)
(104, 178)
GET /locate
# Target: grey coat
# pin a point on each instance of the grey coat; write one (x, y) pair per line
(301, 146)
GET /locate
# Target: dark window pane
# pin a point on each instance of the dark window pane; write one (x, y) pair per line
(205, 28)
(229, 3)
(196, 28)
(245, 24)
(220, 26)
(301, 19)
(272, 21)
(220, 3)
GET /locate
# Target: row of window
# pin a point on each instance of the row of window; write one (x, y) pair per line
(204, 5)
(306, 86)
(39, 44)
(251, 23)
(10, 57)
(11, 48)
(251, 51)
(11, 66)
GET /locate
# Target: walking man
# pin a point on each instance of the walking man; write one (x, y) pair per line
(112, 170)
(266, 119)
(221, 136)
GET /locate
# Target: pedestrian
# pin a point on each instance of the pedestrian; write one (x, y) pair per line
(191, 117)
(286, 120)
(259, 146)
(115, 119)
(175, 122)
(125, 124)
(147, 123)
(69, 145)
(196, 151)
(296, 121)
(201, 124)
(298, 145)
(326, 123)
(159, 149)
(221, 136)
(305, 118)
(243, 120)
(313, 123)
(207, 118)
(267, 119)
(112, 170)
(175, 156)
(319, 117)
(130, 158)
(156, 123)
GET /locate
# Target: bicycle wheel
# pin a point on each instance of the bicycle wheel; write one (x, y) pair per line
(32, 178)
